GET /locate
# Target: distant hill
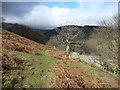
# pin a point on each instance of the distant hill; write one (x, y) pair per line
(45, 31)
(85, 29)
(26, 32)
(6, 25)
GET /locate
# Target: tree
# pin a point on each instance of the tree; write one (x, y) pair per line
(113, 22)
(69, 37)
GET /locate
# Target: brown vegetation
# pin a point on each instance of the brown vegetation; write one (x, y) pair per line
(68, 77)
(15, 42)
(75, 77)
(9, 61)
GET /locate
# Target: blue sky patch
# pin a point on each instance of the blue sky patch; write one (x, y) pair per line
(61, 4)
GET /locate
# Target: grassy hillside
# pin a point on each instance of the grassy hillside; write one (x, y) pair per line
(33, 65)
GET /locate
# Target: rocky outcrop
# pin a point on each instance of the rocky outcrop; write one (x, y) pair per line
(91, 59)
(107, 66)
(74, 55)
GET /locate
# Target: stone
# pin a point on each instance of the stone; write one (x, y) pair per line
(74, 55)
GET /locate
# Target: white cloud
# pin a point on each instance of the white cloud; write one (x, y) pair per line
(44, 17)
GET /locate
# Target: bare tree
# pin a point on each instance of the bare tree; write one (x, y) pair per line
(113, 22)
(69, 37)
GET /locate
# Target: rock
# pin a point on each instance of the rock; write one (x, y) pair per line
(17, 86)
(45, 77)
(91, 59)
(21, 77)
(74, 55)
(26, 86)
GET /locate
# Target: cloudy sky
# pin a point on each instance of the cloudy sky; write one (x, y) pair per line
(47, 15)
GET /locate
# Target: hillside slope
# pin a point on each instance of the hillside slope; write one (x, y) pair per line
(39, 66)
(26, 32)
(15, 42)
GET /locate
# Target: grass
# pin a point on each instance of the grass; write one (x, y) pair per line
(87, 68)
(36, 70)
(39, 70)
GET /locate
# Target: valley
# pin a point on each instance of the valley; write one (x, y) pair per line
(59, 44)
